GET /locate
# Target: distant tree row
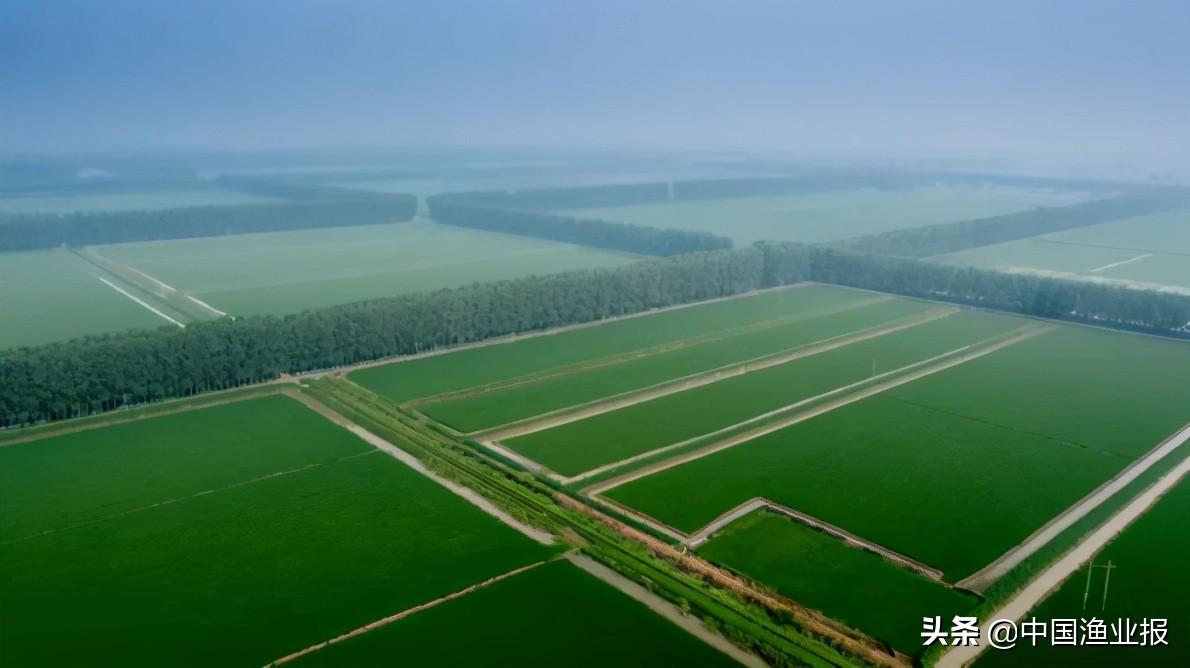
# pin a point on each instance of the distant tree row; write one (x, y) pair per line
(334, 208)
(952, 237)
(101, 373)
(586, 232)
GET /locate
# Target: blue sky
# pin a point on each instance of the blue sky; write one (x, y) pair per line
(897, 77)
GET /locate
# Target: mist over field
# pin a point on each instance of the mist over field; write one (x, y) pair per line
(1054, 86)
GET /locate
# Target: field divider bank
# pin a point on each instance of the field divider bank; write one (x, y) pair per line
(371, 626)
(167, 294)
(981, 580)
(152, 309)
(469, 495)
(955, 358)
(641, 353)
(1049, 579)
(702, 378)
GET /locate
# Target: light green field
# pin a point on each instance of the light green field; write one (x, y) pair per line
(125, 201)
(288, 272)
(553, 615)
(603, 439)
(1148, 581)
(998, 446)
(1152, 249)
(51, 295)
(856, 587)
(229, 536)
(833, 215)
(600, 342)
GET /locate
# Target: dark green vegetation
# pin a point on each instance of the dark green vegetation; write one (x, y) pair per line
(1149, 581)
(553, 615)
(859, 588)
(305, 207)
(999, 445)
(586, 444)
(225, 577)
(812, 320)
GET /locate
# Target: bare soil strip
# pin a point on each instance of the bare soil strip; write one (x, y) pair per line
(972, 353)
(704, 534)
(660, 606)
(414, 463)
(640, 353)
(692, 381)
(403, 614)
(168, 502)
(850, 640)
(1051, 578)
(1120, 263)
(138, 300)
(980, 581)
(138, 279)
(510, 338)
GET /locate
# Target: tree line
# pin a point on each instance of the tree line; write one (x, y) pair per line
(307, 207)
(100, 373)
(586, 232)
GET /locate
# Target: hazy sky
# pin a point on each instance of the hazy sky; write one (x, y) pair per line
(895, 76)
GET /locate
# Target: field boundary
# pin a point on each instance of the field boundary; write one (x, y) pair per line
(972, 353)
(139, 301)
(466, 493)
(982, 579)
(692, 381)
(1041, 585)
(384, 621)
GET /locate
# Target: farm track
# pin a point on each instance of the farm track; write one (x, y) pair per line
(414, 463)
(511, 338)
(371, 626)
(703, 378)
(168, 297)
(638, 354)
(972, 353)
(1040, 587)
(663, 608)
(980, 581)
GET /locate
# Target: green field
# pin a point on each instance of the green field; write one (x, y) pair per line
(125, 201)
(999, 446)
(1152, 249)
(288, 272)
(595, 441)
(227, 536)
(1149, 580)
(801, 326)
(836, 214)
(51, 295)
(475, 367)
(854, 586)
(553, 615)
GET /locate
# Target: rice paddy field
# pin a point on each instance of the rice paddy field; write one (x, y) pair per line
(1152, 250)
(288, 272)
(819, 571)
(193, 529)
(50, 295)
(553, 615)
(834, 215)
(998, 445)
(1148, 581)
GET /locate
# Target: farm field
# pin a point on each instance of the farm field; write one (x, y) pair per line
(453, 371)
(52, 295)
(124, 201)
(288, 272)
(1152, 250)
(553, 615)
(585, 444)
(1148, 581)
(1002, 443)
(201, 554)
(800, 327)
(851, 585)
(834, 215)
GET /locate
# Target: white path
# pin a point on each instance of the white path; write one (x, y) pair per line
(1121, 263)
(138, 301)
